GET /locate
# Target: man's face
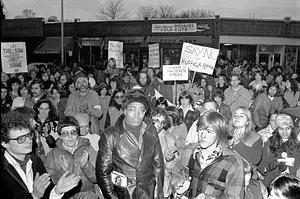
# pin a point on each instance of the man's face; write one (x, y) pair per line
(207, 137)
(272, 91)
(134, 113)
(84, 125)
(158, 122)
(82, 84)
(4, 77)
(234, 81)
(36, 90)
(63, 79)
(13, 147)
(143, 78)
(3, 93)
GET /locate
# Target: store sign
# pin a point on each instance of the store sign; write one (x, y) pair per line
(154, 55)
(115, 50)
(175, 72)
(199, 58)
(13, 57)
(179, 27)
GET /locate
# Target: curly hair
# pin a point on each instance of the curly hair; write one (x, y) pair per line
(13, 120)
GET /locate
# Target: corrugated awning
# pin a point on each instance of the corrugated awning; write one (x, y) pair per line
(52, 45)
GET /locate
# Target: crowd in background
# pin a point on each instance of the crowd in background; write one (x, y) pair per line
(254, 112)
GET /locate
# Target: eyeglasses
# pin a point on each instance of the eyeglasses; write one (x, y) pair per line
(67, 133)
(21, 139)
(119, 96)
(133, 110)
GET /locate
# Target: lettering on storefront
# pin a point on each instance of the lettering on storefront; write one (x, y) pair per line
(180, 27)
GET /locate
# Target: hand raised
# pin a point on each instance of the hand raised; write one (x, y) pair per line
(84, 158)
(40, 184)
(170, 155)
(66, 183)
(64, 163)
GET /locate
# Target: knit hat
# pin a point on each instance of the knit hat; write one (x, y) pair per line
(81, 74)
(284, 120)
(76, 71)
(136, 95)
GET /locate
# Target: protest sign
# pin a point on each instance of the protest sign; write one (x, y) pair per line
(199, 58)
(175, 72)
(13, 57)
(115, 50)
(153, 55)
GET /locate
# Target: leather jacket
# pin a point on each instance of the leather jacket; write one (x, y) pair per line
(140, 161)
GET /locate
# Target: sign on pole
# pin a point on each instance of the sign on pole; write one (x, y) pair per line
(153, 55)
(115, 50)
(175, 72)
(13, 57)
(199, 58)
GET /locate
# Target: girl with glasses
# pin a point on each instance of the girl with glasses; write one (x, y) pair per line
(115, 107)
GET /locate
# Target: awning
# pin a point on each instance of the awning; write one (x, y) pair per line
(255, 40)
(52, 45)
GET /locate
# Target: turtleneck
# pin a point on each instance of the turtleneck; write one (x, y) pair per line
(135, 130)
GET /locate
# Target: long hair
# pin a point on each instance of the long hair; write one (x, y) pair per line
(217, 122)
(113, 101)
(288, 186)
(249, 128)
(294, 85)
(173, 114)
(186, 94)
(52, 113)
(278, 146)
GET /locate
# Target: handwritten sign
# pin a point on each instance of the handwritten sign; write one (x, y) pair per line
(199, 58)
(13, 57)
(175, 72)
(115, 50)
(154, 55)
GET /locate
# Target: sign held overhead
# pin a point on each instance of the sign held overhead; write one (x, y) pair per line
(175, 72)
(115, 50)
(199, 58)
(154, 56)
(13, 57)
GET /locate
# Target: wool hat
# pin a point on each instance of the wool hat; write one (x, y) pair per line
(136, 95)
(81, 74)
(284, 120)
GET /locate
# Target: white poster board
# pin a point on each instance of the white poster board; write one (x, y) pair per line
(199, 58)
(13, 57)
(153, 55)
(115, 50)
(175, 72)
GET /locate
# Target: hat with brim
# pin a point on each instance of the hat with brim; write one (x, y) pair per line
(136, 95)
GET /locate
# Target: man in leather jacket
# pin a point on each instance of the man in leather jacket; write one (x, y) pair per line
(131, 150)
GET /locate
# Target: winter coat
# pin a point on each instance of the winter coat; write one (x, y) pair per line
(140, 161)
(87, 173)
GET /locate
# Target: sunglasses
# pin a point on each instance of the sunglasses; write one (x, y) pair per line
(21, 139)
(67, 133)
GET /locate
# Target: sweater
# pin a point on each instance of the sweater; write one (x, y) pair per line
(237, 98)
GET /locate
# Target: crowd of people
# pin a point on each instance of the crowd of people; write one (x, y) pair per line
(122, 133)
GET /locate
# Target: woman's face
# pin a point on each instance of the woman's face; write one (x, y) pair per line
(15, 86)
(279, 79)
(3, 93)
(284, 131)
(158, 122)
(55, 94)
(72, 88)
(21, 78)
(113, 84)
(45, 77)
(239, 119)
(185, 101)
(203, 82)
(24, 92)
(69, 135)
(150, 72)
(206, 137)
(119, 98)
(257, 77)
(221, 80)
(103, 91)
(63, 79)
(44, 110)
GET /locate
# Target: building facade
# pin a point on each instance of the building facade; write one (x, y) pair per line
(273, 42)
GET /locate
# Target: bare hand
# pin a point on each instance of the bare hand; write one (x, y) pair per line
(46, 130)
(84, 158)
(170, 155)
(40, 184)
(64, 163)
(66, 183)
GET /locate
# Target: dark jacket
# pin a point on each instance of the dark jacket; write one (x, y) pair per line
(12, 185)
(142, 163)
